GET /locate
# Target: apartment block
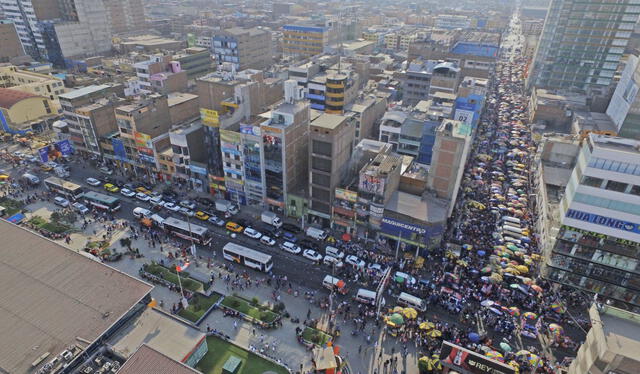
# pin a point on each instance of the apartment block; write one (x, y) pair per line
(35, 83)
(245, 48)
(189, 156)
(161, 74)
(195, 61)
(10, 44)
(125, 16)
(305, 41)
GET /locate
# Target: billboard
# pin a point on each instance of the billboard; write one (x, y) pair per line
(343, 194)
(371, 184)
(118, 149)
(457, 358)
(143, 143)
(609, 222)
(53, 151)
(399, 228)
(209, 117)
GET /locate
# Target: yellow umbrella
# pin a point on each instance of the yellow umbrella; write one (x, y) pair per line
(522, 269)
(391, 324)
(427, 325)
(397, 309)
(410, 313)
(434, 333)
(496, 278)
(512, 271)
(462, 263)
(535, 256)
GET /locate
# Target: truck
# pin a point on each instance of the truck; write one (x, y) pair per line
(226, 207)
(315, 233)
(271, 218)
(61, 172)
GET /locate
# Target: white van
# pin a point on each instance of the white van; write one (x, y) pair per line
(334, 284)
(515, 230)
(408, 279)
(412, 301)
(332, 261)
(139, 212)
(511, 219)
(31, 179)
(366, 297)
(335, 252)
(315, 233)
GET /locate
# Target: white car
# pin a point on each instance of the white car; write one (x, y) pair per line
(216, 220)
(267, 241)
(61, 201)
(92, 182)
(80, 208)
(377, 268)
(312, 255)
(127, 192)
(172, 207)
(355, 261)
(252, 233)
(290, 247)
(157, 201)
(105, 170)
(142, 196)
(408, 279)
(188, 204)
(187, 212)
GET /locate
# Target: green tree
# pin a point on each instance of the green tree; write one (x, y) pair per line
(126, 242)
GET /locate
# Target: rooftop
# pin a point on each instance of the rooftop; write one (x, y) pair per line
(159, 331)
(176, 98)
(426, 209)
(9, 97)
(147, 360)
(328, 121)
(615, 144)
(241, 30)
(83, 91)
(475, 49)
(52, 297)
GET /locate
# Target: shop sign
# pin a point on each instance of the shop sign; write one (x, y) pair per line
(209, 117)
(603, 221)
(343, 194)
(457, 358)
(197, 169)
(390, 225)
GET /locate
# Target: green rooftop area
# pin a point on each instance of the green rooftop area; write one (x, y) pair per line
(223, 353)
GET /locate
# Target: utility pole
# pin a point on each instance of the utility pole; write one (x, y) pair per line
(193, 245)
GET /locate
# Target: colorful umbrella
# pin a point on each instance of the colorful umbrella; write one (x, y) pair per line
(495, 355)
(556, 329)
(410, 313)
(534, 360)
(522, 269)
(396, 318)
(427, 325)
(558, 308)
(505, 347)
(536, 288)
(486, 269)
(434, 333)
(398, 309)
(514, 311)
(530, 315)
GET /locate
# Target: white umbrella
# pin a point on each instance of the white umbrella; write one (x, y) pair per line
(487, 303)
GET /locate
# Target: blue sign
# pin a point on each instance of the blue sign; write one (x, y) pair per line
(604, 221)
(118, 150)
(394, 227)
(198, 169)
(44, 154)
(147, 158)
(65, 147)
(465, 105)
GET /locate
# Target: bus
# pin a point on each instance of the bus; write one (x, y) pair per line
(62, 187)
(102, 201)
(187, 231)
(247, 257)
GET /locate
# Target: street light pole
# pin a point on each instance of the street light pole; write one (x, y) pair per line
(193, 245)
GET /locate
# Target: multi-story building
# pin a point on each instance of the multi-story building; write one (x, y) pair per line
(596, 247)
(23, 111)
(452, 21)
(144, 131)
(10, 44)
(162, 74)
(35, 83)
(125, 16)
(571, 56)
(89, 114)
(245, 48)
(195, 61)
(306, 41)
(450, 152)
(367, 111)
(612, 343)
(331, 139)
(624, 107)
(189, 156)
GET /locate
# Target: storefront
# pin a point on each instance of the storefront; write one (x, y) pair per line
(461, 360)
(409, 236)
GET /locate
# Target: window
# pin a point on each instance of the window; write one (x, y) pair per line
(321, 164)
(323, 148)
(635, 190)
(616, 186)
(320, 179)
(592, 181)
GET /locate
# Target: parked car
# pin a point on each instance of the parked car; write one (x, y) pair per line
(267, 241)
(111, 188)
(188, 204)
(92, 182)
(289, 237)
(105, 170)
(312, 255)
(290, 247)
(216, 221)
(61, 201)
(252, 233)
(355, 261)
(127, 192)
(205, 201)
(172, 207)
(157, 201)
(80, 208)
(187, 212)
(141, 189)
(142, 196)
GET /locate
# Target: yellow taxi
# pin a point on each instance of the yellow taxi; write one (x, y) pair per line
(111, 188)
(232, 226)
(143, 190)
(4, 177)
(45, 167)
(202, 216)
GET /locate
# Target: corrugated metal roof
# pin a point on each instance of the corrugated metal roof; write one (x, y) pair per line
(51, 295)
(147, 360)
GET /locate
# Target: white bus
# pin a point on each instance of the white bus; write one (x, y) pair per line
(102, 201)
(62, 187)
(187, 231)
(247, 257)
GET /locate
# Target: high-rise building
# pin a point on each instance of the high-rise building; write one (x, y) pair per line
(582, 43)
(624, 107)
(304, 40)
(10, 44)
(245, 48)
(125, 16)
(331, 139)
(596, 248)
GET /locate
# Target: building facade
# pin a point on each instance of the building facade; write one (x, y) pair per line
(624, 107)
(10, 44)
(245, 48)
(304, 41)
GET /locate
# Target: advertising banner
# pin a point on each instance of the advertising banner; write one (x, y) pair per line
(143, 143)
(343, 194)
(65, 147)
(118, 149)
(53, 151)
(209, 117)
(468, 362)
(603, 221)
(371, 184)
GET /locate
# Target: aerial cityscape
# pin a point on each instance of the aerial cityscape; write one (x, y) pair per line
(298, 187)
